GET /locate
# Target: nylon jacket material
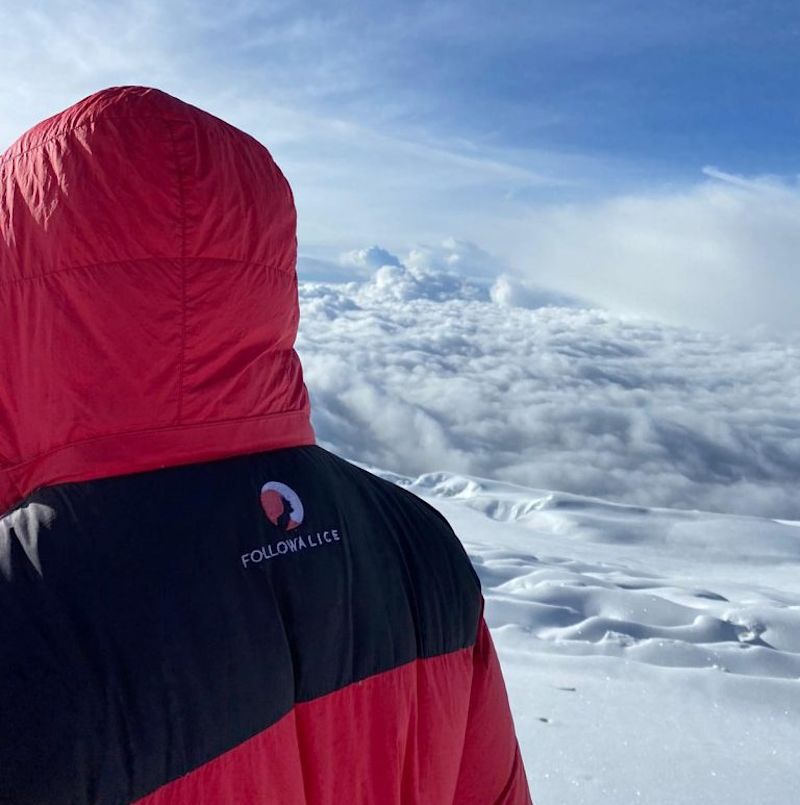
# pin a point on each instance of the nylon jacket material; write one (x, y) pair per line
(201, 605)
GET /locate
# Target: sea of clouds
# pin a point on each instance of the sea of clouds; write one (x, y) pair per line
(414, 368)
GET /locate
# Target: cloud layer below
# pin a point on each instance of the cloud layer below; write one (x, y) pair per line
(416, 369)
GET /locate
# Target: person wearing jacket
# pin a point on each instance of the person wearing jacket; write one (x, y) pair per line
(198, 604)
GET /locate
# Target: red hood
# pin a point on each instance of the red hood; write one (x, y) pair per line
(148, 294)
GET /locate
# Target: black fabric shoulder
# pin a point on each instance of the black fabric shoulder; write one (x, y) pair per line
(153, 621)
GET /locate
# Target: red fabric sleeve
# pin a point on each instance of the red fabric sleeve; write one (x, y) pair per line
(491, 771)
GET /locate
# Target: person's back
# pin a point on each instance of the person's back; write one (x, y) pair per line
(200, 605)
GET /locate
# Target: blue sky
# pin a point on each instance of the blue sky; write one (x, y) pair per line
(679, 84)
(496, 124)
(674, 84)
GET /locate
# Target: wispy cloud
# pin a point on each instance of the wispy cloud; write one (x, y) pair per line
(316, 86)
(722, 253)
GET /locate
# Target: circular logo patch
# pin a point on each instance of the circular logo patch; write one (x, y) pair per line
(282, 505)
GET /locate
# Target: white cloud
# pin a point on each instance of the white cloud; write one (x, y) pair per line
(452, 269)
(511, 291)
(416, 371)
(371, 258)
(456, 256)
(724, 253)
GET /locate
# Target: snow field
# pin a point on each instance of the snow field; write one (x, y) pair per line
(650, 655)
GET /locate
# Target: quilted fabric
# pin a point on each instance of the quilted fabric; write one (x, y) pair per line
(148, 294)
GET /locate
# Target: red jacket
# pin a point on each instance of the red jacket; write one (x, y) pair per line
(199, 604)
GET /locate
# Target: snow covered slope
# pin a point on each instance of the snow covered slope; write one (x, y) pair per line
(651, 655)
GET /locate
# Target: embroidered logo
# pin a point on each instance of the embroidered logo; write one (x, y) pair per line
(284, 509)
(282, 505)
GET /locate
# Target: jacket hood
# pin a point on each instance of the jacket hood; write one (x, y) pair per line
(148, 294)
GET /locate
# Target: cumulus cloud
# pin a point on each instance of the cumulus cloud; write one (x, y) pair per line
(510, 291)
(415, 372)
(455, 256)
(371, 258)
(452, 269)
